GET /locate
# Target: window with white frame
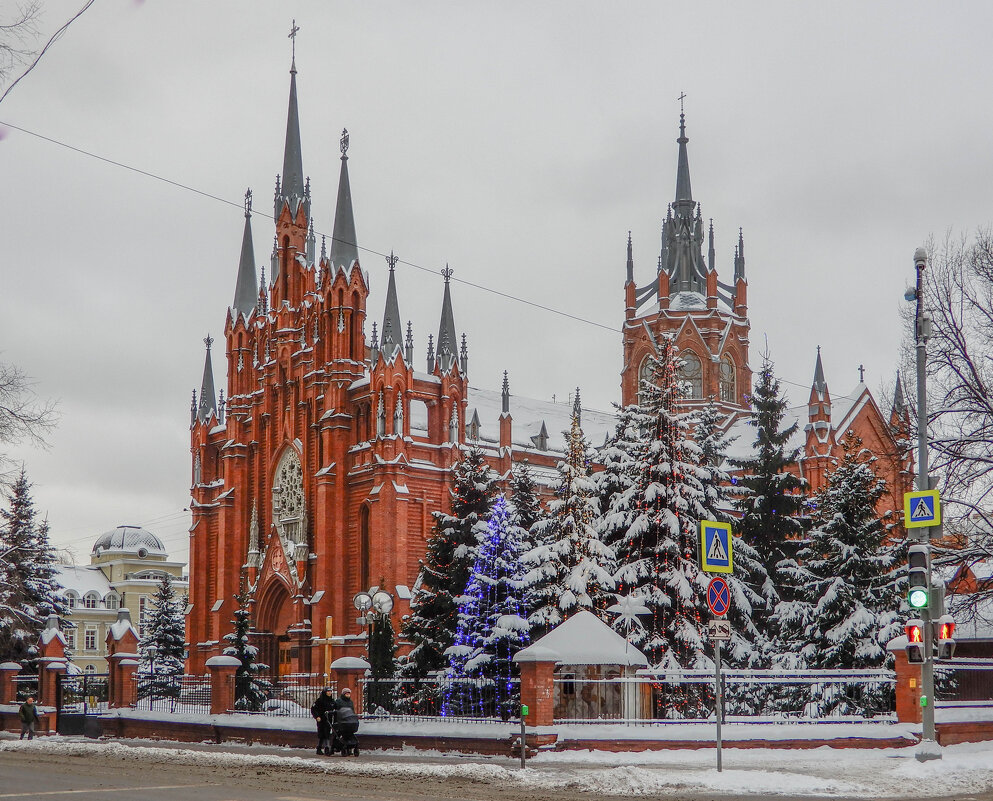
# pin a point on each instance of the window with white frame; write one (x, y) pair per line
(143, 610)
(90, 669)
(111, 601)
(70, 636)
(90, 641)
(90, 600)
(71, 600)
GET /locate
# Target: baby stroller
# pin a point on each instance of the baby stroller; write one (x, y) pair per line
(343, 728)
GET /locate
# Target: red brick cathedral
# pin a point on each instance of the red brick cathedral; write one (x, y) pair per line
(317, 476)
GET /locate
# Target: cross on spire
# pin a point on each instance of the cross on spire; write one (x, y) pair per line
(861, 374)
(681, 98)
(447, 273)
(294, 29)
(392, 261)
(344, 141)
(248, 203)
(208, 341)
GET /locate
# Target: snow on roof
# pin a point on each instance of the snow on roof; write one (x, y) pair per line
(83, 579)
(843, 410)
(528, 415)
(584, 639)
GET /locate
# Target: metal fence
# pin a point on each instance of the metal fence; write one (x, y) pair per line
(964, 682)
(748, 695)
(26, 685)
(290, 695)
(84, 693)
(179, 693)
(462, 699)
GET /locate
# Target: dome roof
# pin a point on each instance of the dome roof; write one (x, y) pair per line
(130, 539)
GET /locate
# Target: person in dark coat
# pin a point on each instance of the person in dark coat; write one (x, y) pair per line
(28, 714)
(345, 699)
(346, 723)
(323, 711)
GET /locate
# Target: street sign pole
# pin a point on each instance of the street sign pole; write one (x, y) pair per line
(719, 705)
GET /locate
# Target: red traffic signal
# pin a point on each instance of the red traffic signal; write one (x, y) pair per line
(944, 628)
(915, 631)
(915, 641)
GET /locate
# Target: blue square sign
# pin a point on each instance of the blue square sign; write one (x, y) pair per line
(715, 547)
(921, 509)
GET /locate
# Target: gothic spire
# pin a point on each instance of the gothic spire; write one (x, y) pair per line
(819, 385)
(739, 257)
(684, 194)
(505, 395)
(291, 187)
(630, 276)
(344, 249)
(392, 327)
(246, 297)
(711, 254)
(899, 399)
(577, 409)
(208, 398)
(447, 339)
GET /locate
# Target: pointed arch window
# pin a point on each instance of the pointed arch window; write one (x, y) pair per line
(727, 382)
(644, 375)
(691, 374)
(364, 548)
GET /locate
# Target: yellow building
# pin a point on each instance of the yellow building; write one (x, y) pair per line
(126, 566)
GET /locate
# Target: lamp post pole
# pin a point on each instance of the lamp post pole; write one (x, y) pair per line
(922, 332)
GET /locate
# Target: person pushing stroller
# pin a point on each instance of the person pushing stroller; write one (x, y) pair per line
(344, 725)
(323, 711)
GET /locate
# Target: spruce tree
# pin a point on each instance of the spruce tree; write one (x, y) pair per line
(746, 648)
(768, 496)
(29, 588)
(656, 556)
(447, 566)
(492, 626)
(620, 457)
(525, 504)
(382, 665)
(252, 689)
(165, 629)
(570, 568)
(847, 604)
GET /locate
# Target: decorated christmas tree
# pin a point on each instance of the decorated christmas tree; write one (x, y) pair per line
(569, 567)
(252, 689)
(447, 567)
(165, 630)
(657, 555)
(492, 626)
(382, 666)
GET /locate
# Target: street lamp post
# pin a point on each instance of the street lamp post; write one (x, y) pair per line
(373, 606)
(922, 332)
(152, 651)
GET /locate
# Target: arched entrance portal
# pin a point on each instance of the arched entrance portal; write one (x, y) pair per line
(273, 620)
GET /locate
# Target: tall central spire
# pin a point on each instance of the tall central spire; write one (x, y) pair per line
(392, 327)
(246, 291)
(447, 340)
(683, 191)
(291, 188)
(682, 234)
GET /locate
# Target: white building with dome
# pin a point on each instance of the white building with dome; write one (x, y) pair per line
(126, 565)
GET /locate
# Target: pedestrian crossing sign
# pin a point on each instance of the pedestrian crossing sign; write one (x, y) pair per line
(715, 547)
(921, 509)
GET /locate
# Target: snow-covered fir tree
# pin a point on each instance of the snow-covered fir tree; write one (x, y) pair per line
(252, 689)
(447, 566)
(525, 505)
(492, 625)
(746, 647)
(29, 589)
(768, 496)
(569, 567)
(620, 457)
(165, 629)
(382, 665)
(847, 608)
(656, 556)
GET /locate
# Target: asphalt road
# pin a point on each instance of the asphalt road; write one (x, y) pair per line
(111, 774)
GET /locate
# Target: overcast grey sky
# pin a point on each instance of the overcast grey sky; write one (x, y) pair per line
(516, 141)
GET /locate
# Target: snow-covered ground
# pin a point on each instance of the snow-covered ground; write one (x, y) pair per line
(875, 773)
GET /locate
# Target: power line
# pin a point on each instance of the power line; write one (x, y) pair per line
(382, 254)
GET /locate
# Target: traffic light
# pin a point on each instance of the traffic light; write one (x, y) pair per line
(917, 581)
(915, 641)
(944, 635)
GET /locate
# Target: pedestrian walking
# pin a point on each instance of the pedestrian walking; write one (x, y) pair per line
(28, 713)
(323, 711)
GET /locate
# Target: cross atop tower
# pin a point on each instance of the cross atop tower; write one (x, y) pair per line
(861, 374)
(392, 261)
(344, 141)
(248, 202)
(681, 98)
(208, 341)
(447, 273)
(294, 29)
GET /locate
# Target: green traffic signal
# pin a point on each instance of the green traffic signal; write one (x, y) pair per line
(917, 597)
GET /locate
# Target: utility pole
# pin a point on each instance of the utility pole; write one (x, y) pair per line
(929, 748)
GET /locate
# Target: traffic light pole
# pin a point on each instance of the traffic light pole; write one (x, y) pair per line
(922, 324)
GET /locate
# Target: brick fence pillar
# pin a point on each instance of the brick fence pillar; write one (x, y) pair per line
(8, 687)
(222, 671)
(537, 665)
(48, 679)
(908, 683)
(348, 671)
(127, 689)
